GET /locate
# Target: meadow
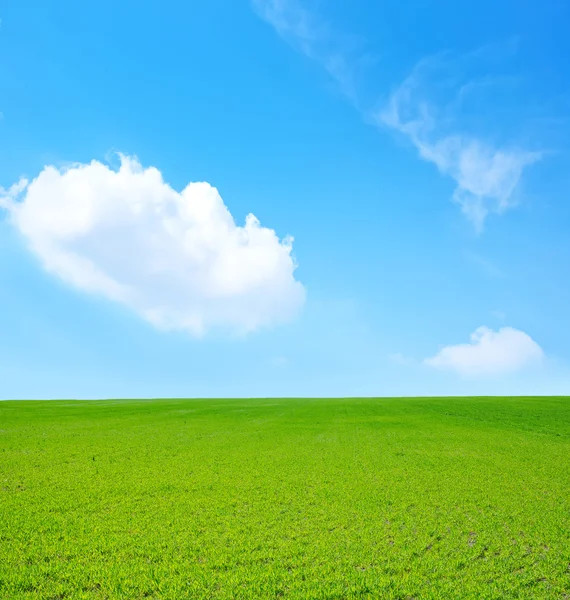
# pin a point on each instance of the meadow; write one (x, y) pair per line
(417, 498)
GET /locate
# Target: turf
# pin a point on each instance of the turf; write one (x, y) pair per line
(328, 499)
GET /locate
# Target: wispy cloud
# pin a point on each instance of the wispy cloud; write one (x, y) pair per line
(486, 174)
(293, 22)
(340, 54)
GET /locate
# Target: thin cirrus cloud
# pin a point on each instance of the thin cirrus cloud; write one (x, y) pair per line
(486, 175)
(489, 353)
(178, 259)
(340, 54)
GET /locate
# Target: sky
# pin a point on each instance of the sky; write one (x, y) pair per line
(284, 198)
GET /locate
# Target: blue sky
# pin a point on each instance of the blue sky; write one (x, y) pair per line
(417, 155)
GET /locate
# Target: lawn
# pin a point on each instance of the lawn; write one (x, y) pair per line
(285, 498)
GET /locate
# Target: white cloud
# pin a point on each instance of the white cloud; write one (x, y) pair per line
(291, 20)
(486, 176)
(339, 54)
(177, 258)
(489, 353)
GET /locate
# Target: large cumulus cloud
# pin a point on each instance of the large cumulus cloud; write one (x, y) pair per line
(177, 258)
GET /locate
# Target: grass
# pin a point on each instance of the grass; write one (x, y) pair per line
(305, 499)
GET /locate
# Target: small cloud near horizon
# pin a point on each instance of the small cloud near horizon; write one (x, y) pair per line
(489, 353)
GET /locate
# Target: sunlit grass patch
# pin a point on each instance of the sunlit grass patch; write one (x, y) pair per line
(341, 498)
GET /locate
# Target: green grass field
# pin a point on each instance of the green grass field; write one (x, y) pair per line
(356, 498)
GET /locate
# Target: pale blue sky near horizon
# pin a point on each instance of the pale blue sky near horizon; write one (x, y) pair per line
(417, 153)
